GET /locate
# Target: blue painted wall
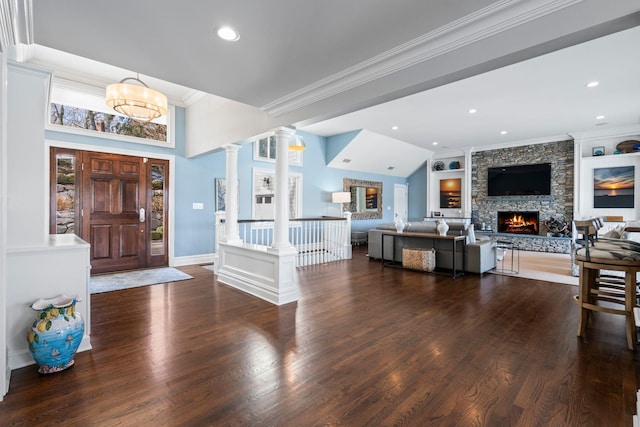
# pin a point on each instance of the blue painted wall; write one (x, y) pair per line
(336, 143)
(195, 182)
(318, 181)
(418, 194)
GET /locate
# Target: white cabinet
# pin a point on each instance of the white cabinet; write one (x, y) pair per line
(59, 265)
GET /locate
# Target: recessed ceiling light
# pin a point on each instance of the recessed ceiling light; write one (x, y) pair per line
(435, 142)
(391, 168)
(593, 84)
(346, 160)
(473, 111)
(599, 117)
(394, 128)
(228, 34)
(503, 132)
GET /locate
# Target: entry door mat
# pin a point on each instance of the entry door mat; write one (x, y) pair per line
(134, 279)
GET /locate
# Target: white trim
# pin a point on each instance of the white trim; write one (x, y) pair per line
(606, 133)
(16, 25)
(494, 19)
(192, 260)
(543, 140)
(5, 371)
(126, 152)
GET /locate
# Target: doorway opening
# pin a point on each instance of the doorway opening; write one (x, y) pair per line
(117, 203)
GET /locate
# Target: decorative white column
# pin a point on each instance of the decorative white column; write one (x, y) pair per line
(348, 250)
(281, 195)
(232, 235)
(271, 274)
(466, 187)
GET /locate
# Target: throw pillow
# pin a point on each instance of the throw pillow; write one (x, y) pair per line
(471, 234)
(612, 234)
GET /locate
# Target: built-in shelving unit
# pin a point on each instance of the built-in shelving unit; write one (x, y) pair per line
(446, 188)
(589, 166)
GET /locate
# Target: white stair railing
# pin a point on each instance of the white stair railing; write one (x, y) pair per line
(317, 240)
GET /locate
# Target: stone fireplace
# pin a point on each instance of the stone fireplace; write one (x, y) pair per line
(558, 205)
(519, 222)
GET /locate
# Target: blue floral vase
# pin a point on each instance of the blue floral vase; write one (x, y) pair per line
(56, 334)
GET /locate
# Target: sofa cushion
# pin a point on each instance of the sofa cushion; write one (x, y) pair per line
(457, 229)
(391, 227)
(422, 227)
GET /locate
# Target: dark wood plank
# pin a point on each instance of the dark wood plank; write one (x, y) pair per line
(364, 345)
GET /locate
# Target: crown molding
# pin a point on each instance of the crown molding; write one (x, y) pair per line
(512, 144)
(496, 18)
(607, 133)
(16, 23)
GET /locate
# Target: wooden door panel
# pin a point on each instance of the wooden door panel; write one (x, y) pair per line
(129, 168)
(115, 191)
(130, 200)
(101, 241)
(101, 196)
(100, 166)
(129, 236)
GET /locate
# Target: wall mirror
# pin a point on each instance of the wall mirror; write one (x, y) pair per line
(366, 198)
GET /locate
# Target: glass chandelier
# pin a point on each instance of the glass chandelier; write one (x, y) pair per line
(140, 103)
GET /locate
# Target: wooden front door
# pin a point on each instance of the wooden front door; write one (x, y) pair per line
(114, 200)
(99, 197)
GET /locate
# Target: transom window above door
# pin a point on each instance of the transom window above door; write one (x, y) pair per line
(76, 108)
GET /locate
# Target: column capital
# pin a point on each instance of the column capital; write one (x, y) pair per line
(282, 130)
(231, 147)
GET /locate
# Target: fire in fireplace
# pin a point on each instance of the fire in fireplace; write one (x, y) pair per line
(520, 222)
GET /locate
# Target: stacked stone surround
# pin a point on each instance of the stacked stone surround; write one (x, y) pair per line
(558, 205)
(560, 245)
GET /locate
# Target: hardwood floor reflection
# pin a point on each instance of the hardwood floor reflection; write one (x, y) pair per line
(363, 346)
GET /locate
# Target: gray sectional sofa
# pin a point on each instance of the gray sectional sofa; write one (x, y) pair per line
(480, 254)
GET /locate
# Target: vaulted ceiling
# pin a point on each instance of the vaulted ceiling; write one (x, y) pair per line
(333, 66)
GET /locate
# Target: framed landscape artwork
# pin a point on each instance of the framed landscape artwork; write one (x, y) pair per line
(450, 193)
(614, 187)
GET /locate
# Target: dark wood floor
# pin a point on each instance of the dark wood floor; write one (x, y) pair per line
(363, 346)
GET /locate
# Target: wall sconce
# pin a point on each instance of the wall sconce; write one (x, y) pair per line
(296, 143)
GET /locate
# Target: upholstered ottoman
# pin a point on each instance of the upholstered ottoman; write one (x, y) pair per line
(358, 237)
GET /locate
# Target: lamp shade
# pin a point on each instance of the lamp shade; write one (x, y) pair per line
(137, 102)
(341, 197)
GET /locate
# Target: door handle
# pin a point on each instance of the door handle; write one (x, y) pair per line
(141, 214)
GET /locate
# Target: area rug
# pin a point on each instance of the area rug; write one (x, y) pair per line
(133, 279)
(550, 267)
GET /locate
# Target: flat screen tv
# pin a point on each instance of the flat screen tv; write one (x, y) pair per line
(521, 180)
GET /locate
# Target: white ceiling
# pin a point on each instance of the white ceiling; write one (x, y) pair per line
(330, 67)
(541, 98)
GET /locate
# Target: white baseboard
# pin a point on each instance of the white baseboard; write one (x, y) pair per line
(192, 259)
(6, 383)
